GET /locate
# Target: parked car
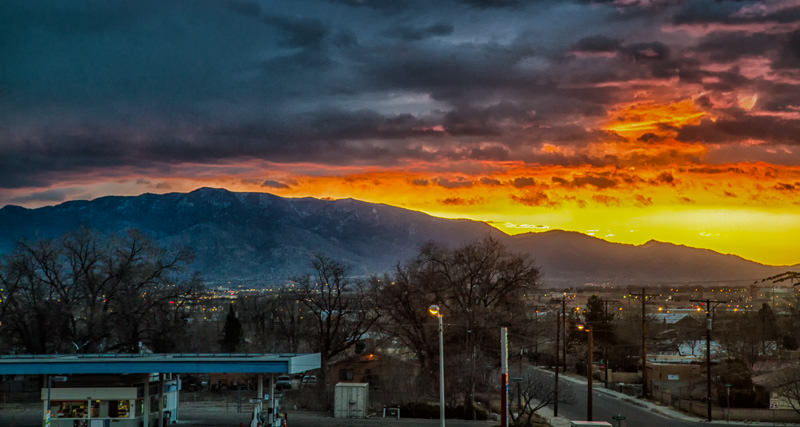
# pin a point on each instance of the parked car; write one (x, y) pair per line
(310, 379)
(284, 382)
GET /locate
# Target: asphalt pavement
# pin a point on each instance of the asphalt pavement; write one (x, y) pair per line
(637, 412)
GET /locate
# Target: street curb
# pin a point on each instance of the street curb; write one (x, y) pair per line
(654, 407)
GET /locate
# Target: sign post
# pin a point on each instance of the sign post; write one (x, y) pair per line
(504, 377)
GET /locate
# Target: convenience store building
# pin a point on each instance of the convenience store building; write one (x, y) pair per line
(129, 390)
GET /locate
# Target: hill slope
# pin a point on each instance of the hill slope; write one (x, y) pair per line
(266, 238)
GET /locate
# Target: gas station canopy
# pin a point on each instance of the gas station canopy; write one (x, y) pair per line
(176, 363)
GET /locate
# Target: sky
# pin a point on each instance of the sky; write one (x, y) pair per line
(627, 120)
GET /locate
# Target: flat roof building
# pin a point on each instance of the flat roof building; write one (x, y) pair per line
(94, 390)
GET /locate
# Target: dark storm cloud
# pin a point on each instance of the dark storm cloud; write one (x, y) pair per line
(599, 181)
(449, 75)
(778, 96)
(647, 51)
(734, 12)
(740, 127)
(408, 33)
(650, 137)
(298, 32)
(701, 12)
(522, 182)
(728, 47)
(783, 186)
(492, 152)
(118, 86)
(453, 183)
(247, 8)
(459, 201)
(327, 125)
(384, 5)
(665, 178)
(533, 198)
(596, 43)
(274, 184)
(317, 136)
(489, 4)
(789, 53)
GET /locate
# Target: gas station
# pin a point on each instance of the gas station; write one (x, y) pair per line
(101, 390)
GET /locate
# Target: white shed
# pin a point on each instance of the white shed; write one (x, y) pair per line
(351, 400)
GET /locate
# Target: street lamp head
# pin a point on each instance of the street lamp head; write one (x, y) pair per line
(583, 328)
(580, 327)
(434, 310)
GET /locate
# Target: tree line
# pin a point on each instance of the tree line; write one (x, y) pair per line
(87, 293)
(84, 293)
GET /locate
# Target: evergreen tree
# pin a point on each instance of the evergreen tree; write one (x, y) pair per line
(232, 332)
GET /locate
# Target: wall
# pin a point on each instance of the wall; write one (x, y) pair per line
(624, 377)
(737, 414)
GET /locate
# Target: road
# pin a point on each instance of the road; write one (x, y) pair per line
(606, 406)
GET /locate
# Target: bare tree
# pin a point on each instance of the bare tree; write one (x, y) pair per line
(536, 390)
(484, 286)
(33, 316)
(86, 293)
(404, 303)
(292, 321)
(342, 310)
(479, 287)
(790, 389)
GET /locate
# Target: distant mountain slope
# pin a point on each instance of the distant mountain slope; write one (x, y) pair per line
(266, 238)
(251, 235)
(569, 257)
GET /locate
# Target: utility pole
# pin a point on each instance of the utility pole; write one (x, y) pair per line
(519, 383)
(708, 349)
(564, 329)
(504, 377)
(558, 348)
(644, 340)
(605, 342)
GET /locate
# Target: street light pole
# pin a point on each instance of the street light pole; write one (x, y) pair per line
(588, 373)
(434, 310)
(589, 382)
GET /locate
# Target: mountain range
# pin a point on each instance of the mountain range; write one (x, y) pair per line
(264, 239)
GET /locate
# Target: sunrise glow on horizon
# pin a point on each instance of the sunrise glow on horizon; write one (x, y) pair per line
(627, 121)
